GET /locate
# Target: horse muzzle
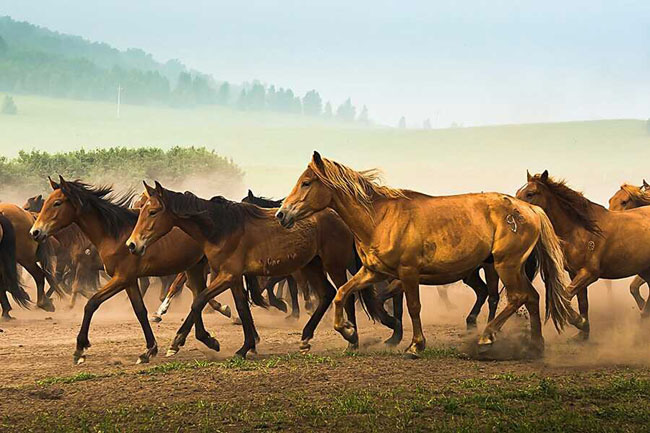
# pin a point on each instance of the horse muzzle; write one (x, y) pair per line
(39, 235)
(286, 218)
(136, 249)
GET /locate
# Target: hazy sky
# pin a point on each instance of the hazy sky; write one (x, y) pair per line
(470, 62)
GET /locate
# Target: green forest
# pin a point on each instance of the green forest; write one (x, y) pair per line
(122, 166)
(38, 61)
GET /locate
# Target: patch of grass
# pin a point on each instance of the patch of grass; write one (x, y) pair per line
(67, 379)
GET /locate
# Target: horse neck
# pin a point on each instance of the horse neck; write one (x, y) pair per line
(192, 229)
(565, 227)
(92, 227)
(356, 216)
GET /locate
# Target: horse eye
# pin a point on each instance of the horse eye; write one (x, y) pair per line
(306, 183)
(57, 203)
(530, 194)
(153, 212)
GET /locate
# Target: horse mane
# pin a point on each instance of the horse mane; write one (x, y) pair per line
(574, 203)
(362, 186)
(638, 194)
(216, 218)
(264, 202)
(112, 209)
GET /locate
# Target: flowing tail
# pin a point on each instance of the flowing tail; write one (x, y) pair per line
(551, 260)
(9, 280)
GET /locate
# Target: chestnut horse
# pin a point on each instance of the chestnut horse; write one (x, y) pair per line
(631, 197)
(417, 239)
(597, 243)
(107, 221)
(242, 239)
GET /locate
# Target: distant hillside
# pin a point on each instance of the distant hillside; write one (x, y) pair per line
(36, 60)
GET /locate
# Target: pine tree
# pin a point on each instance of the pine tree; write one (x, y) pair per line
(312, 104)
(327, 113)
(402, 122)
(346, 111)
(363, 116)
(223, 96)
(9, 106)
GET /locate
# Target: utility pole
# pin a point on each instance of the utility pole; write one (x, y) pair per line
(119, 97)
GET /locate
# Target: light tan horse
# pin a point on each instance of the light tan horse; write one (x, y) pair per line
(434, 240)
(597, 243)
(632, 197)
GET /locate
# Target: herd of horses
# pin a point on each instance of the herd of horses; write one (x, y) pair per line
(335, 222)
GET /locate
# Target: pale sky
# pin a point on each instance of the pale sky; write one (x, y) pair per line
(469, 62)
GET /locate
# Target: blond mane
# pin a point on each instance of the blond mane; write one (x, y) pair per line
(637, 194)
(362, 186)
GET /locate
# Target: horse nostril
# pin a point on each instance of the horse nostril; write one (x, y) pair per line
(279, 215)
(131, 246)
(36, 233)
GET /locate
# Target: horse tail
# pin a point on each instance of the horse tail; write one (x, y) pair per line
(532, 265)
(9, 279)
(254, 291)
(551, 262)
(368, 295)
(44, 254)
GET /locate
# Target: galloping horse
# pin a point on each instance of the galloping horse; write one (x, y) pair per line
(632, 197)
(107, 221)
(242, 239)
(9, 281)
(434, 240)
(597, 243)
(35, 258)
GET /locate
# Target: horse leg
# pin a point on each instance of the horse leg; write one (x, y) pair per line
(393, 291)
(273, 300)
(443, 293)
(6, 306)
(532, 305)
(293, 291)
(635, 290)
(172, 291)
(318, 280)
(360, 280)
(144, 283)
(218, 285)
(141, 313)
(75, 291)
(481, 290)
(579, 281)
(113, 287)
(645, 313)
(339, 278)
(583, 307)
(42, 301)
(281, 284)
(492, 283)
(410, 279)
(244, 312)
(165, 284)
(517, 294)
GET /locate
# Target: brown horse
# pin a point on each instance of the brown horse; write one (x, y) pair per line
(597, 243)
(632, 197)
(107, 221)
(9, 281)
(242, 239)
(434, 240)
(35, 258)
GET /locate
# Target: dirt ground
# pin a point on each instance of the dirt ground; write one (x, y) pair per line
(602, 385)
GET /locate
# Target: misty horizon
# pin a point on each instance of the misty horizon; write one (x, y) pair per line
(488, 64)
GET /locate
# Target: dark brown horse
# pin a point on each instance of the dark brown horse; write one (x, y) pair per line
(632, 197)
(242, 239)
(597, 243)
(9, 281)
(35, 258)
(417, 239)
(107, 221)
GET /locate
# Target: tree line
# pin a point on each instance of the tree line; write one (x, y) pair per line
(35, 60)
(29, 170)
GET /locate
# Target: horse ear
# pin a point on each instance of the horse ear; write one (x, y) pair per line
(528, 176)
(39, 197)
(544, 176)
(250, 194)
(317, 159)
(149, 190)
(159, 188)
(53, 184)
(645, 185)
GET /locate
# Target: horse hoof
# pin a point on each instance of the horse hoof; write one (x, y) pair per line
(484, 348)
(78, 360)
(7, 318)
(142, 359)
(291, 317)
(171, 352)
(226, 311)
(305, 346)
(156, 319)
(580, 337)
(236, 321)
(411, 355)
(46, 306)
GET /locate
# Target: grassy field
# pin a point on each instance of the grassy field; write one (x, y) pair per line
(273, 148)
